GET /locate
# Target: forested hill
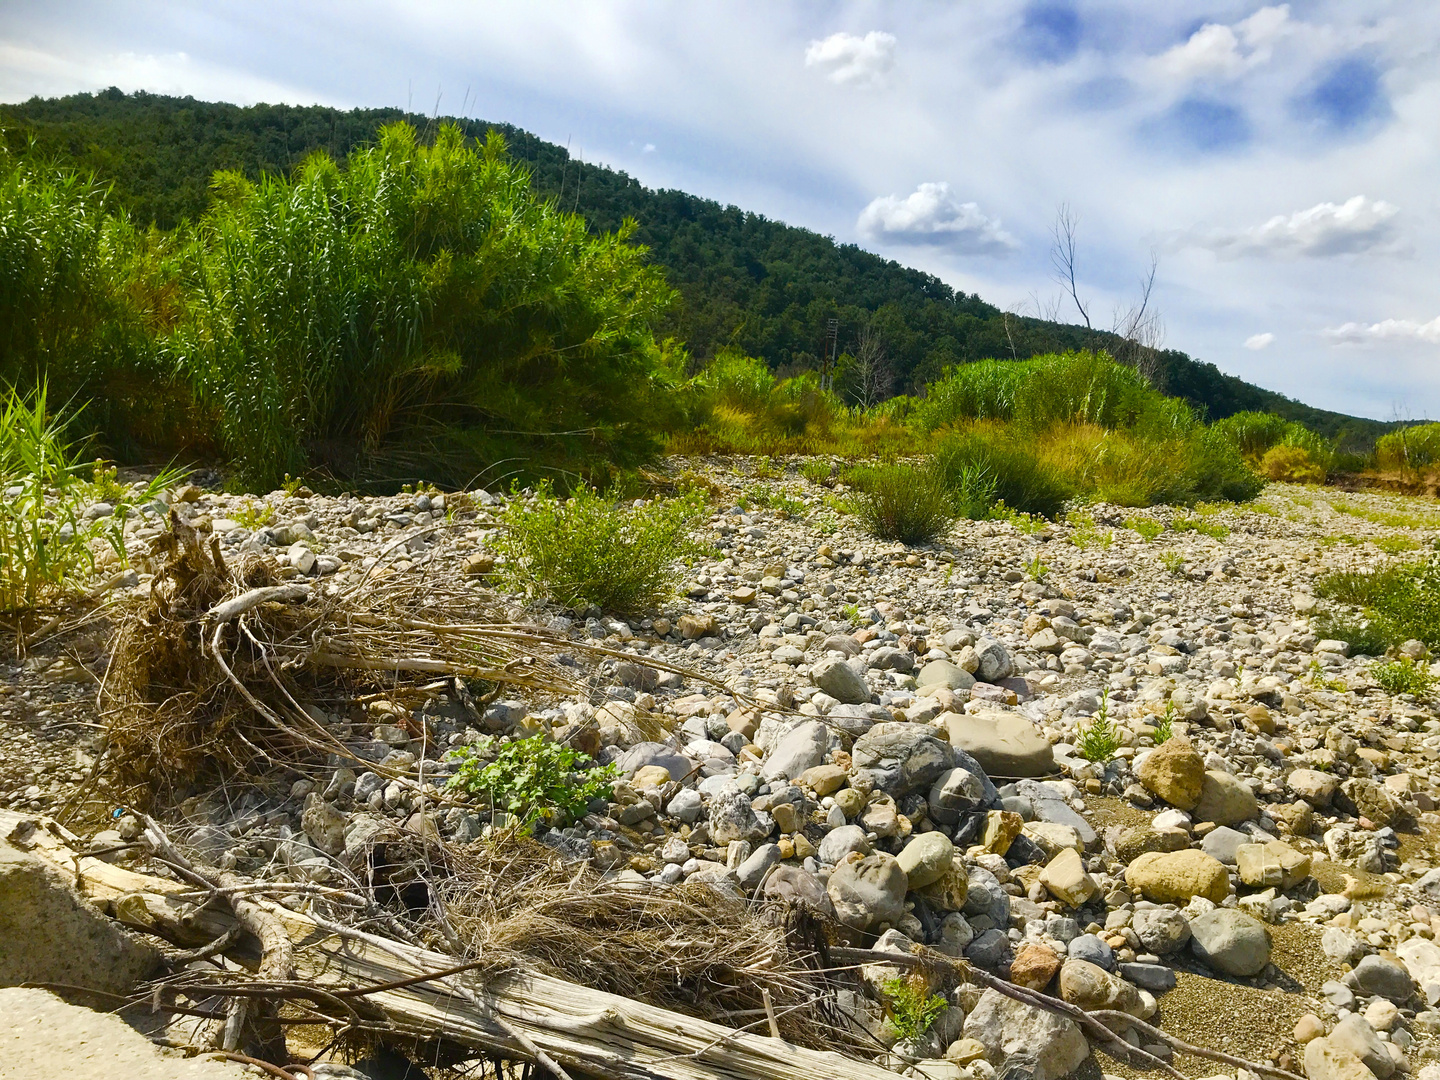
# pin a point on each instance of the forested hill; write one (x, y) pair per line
(766, 287)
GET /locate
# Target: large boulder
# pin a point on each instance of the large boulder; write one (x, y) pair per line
(926, 858)
(1005, 744)
(1325, 1061)
(49, 934)
(1422, 960)
(1091, 987)
(868, 891)
(1174, 771)
(902, 758)
(799, 749)
(1355, 1036)
(1161, 930)
(1230, 942)
(962, 790)
(1174, 877)
(841, 681)
(1225, 800)
(1054, 1045)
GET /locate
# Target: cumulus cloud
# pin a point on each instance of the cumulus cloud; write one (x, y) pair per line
(1398, 330)
(1219, 50)
(933, 214)
(1358, 225)
(1256, 342)
(852, 60)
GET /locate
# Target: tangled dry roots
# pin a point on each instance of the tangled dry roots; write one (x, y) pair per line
(690, 947)
(223, 667)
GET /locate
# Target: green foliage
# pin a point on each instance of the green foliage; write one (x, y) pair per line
(1036, 570)
(763, 495)
(1164, 725)
(1409, 448)
(1291, 464)
(587, 549)
(45, 541)
(1201, 525)
(1148, 528)
(253, 515)
(1403, 677)
(912, 1008)
(1083, 532)
(986, 460)
(905, 503)
(531, 778)
(818, 471)
(1281, 449)
(1098, 740)
(1399, 602)
(1173, 561)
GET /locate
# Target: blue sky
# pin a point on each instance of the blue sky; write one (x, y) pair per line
(1280, 159)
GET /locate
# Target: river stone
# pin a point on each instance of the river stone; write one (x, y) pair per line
(1230, 942)
(1324, 1061)
(1137, 841)
(1066, 879)
(994, 662)
(800, 748)
(1009, 1028)
(926, 858)
(1422, 960)
(1034, 966)
(841, 681)
(1092, 987)
(1371, 800)
(1176, 876)
(1274, 864)
(1225, 800)
(795, 885)
(902, 758)
(752, 870)
(868, 891)
(824, 779)
(654, 753)
(1005, 744)
(323, 824)
(986, 896)
(1312, 785)
(733, 818)
(1376, 976)
(962, 790)
(1354, 1035)
(1174, 771)
(841, 643)
(1224, 843)
(1161, 930)
(840, 842)
(944, 673)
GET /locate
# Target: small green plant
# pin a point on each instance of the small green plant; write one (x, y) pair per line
(1148, 528)
(911, 1006)
(1212, 529)
(254, 516)
(1098, 740)
(1084, 534)
(105, 484)
(1316, 674)
(1164, 725)
(818, 471)
(1403, 677)
(1036, 570)
(766, 497)
(531, 778)
(1396, 545)
(765, 469)
(851, 613)
(906, 504)
(843, 505)
(291, 485)
(589, 550)
(1173, 561)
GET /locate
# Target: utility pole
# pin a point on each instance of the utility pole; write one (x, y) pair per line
(832, 350)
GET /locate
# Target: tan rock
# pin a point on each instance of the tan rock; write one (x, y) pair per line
(949, 891)
(1001, 828)
(1225, 800)
(1050, 837)
(1091, 987)
(1274, 864)
(1326, 1062)
(824, 779)
(1067, 880)
(1174, 771)
(1174, 877)
(926, 858)
(1034, 966)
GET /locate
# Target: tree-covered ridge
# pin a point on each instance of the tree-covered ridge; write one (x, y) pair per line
(743, 280)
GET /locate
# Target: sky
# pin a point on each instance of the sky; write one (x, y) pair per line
(1279, 160)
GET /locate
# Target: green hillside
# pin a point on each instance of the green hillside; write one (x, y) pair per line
(743, 280)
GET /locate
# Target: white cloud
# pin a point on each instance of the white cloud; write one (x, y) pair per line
(1218, 50)
(1399, 330)
(1256, 342)
(849, 59)
(933, 214)
(1358, 225)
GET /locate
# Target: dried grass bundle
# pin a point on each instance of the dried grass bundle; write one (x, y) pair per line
(688, 947)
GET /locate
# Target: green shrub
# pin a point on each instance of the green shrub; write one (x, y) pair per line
(1399, 602)
(1256, 435)
(905, 503)
(818, 471)
(1292, 464)
(1413, 447)
(1164, 725)
(1365, 637)
(1099, 739)
(911, 1006)
(1403, 677)
(1148, 528)
(587, 549)
(531, 778)
(1173, 561)
(970, 460)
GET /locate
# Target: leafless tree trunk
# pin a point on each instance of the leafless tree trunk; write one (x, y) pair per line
(871, 373)
(1062, 256)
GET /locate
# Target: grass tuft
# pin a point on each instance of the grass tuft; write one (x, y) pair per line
(905, 503)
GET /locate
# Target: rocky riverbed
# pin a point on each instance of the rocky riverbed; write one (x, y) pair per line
(896, 736)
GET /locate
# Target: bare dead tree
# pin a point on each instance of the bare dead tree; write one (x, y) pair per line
(870, 372)
(1062, 256)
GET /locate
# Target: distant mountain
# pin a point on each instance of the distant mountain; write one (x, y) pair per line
(761, 285)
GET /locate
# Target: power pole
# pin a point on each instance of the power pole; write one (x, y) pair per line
(832, 350)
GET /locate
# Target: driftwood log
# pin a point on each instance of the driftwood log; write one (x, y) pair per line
(514, 1014)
